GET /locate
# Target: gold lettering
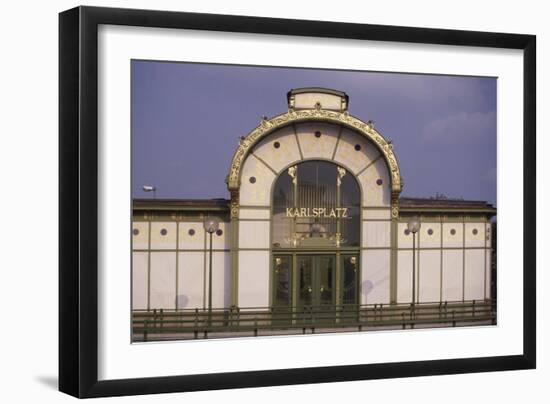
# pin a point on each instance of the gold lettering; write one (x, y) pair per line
(317, 212)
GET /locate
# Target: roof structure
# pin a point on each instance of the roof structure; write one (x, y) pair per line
(444, 205)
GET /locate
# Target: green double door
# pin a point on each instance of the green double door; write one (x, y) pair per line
(316, 283)
(305, 282)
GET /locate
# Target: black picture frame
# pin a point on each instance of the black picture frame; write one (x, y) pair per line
(78, 201)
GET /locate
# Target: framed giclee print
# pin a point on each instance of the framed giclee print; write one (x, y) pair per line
(252, 202)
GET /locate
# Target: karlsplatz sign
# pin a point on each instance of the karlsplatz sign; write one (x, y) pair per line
(318, 212)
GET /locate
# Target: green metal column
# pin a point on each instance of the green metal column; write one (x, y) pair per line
(234, 248)
(393, 256)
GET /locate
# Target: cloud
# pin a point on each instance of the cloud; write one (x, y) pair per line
(461, 128)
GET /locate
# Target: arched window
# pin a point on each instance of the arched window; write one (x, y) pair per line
(316, 204)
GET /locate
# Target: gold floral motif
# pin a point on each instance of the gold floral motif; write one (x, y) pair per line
(234, 208)
(341, 173)
(292, 172)
(292, 116)
(395, 207)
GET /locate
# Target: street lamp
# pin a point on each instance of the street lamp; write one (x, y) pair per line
(414, 226)
(150, 188)
(211, 225)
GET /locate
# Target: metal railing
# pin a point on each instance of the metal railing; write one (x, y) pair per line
(201, 323)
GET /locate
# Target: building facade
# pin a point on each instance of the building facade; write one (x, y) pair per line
(314, 220)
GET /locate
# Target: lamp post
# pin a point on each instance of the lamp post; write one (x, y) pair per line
(150, 188)
(211, 225)
(414, 226)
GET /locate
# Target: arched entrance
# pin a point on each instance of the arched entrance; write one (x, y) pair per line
(316, 238)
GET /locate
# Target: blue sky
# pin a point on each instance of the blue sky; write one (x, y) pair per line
(187, 119)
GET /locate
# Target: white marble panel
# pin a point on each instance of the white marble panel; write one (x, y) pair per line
(475, 234)
(139, 280)
(452, 275)
(474, 277)
(309, 101)
(376, 234)
(376, 214)
(255, 213)
(191, 280)
(404, 276)
(317, 147)
(429, 275)
(220, 241)
(287, 152)
(375, 276)
(375, 194)
(450, 239)
(140, 241)
(254, 234)
(256, 182)
(347, 154)
(253, 279)
(163, 235)
(221, 279)
(191, 236)
(427, 240)
(163, 280)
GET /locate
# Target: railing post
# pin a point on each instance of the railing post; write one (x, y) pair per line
(205, 324)
(196, 323)
(145, 331)
(474, 308)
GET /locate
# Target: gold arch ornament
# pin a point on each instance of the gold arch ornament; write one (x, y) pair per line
(267, 126)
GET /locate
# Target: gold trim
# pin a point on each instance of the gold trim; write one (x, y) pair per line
(395, 208)
(234, 205)
(342, 118)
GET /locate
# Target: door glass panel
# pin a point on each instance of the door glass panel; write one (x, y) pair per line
(305, 280)
(282, 266)
(349, 280)
(325, 271)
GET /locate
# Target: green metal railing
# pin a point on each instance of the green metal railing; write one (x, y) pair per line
(200, 323)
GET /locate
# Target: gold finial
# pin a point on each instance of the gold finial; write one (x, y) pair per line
(341, 173)
(292, 171)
